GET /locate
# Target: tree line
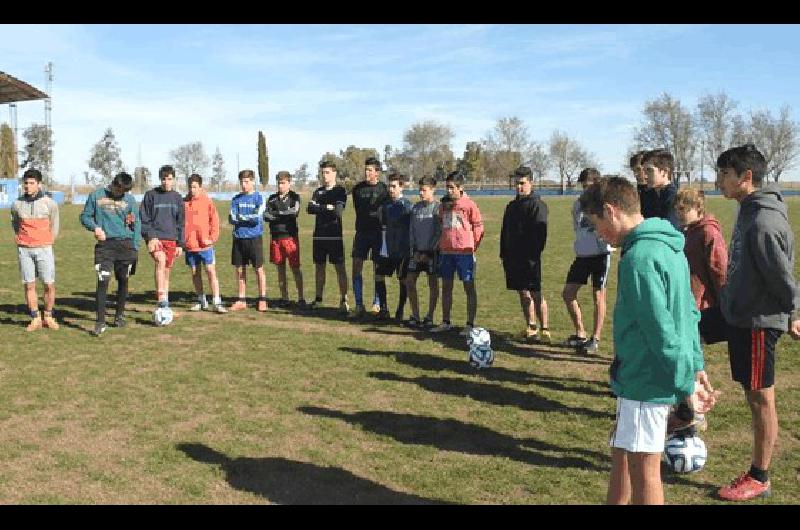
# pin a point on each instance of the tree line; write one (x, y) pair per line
(695, 135)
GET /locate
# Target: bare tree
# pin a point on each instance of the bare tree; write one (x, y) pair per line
(105, 159)
(301, 175)
(715, 122)
(776, 138)
(189, 158)
(539, 161)
(39, 150)
(668, 124)
(217, 170)
(507, 145)
(8, 153)
(427, 145)
(568, 157)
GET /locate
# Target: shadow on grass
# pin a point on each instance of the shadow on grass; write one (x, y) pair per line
(434, 363)
(493, 394)
(670, 477)
(454, 435)
(284, 481)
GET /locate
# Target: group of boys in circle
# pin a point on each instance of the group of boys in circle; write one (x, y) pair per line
(677, 281)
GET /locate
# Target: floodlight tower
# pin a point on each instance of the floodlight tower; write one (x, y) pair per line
(48, 107)
(12, 118)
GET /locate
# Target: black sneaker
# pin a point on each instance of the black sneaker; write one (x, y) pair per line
(119, 322)
(99, 328)
(591, 346)
(316, 304)
(301, 304)
(383, 315)
(426, 324)
(412, 323)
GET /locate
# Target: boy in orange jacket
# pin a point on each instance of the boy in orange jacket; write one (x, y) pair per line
(202, 231)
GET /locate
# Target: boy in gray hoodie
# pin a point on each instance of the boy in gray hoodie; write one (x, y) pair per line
(759, 303)
(424, 235)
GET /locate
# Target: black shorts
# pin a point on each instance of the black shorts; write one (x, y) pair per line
(595, 266)
(388, 266)
(751, 351)
(330, 249)
(367, 244)
(426, 266)
(247, 252)
(523, 274)
(118, 255)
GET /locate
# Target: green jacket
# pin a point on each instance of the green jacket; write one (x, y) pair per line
(656, 342)
(117, 216)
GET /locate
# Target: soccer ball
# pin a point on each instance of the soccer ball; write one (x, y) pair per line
(685, 454)
(479, 337)
(481, 356)
(162, 316)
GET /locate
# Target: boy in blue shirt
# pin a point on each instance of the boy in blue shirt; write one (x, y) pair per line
(247, 210)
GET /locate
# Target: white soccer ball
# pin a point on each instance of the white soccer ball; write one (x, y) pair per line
(685, 454)
(162, 316)
(479, 337)
(481, 356)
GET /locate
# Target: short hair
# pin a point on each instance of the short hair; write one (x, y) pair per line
(691, 198)
(247, 174)
(741, 159)
(456, 177)
(194, 177)
(283, 175)
(328, 163)
(662, 159)
(163, 171)
(636, 159)
(588, 173)
(124, 181)
(396, 177)
(427, 180)
(32, 174)
(524, 171)
(612, 190)
(374, 162)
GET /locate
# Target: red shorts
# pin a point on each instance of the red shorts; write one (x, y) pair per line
(168, 248)
(281, 250)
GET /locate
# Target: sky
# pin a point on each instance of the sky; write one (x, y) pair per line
(318, 88)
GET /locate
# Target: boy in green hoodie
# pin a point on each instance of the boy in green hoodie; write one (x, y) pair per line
(657, 356)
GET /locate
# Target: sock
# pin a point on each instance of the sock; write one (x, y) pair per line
(380, 290)
(202, 299)
(358, 290)
(401, 302)
(101, 292)
(761, 475)
(376, 299)
(34, 314)
(122, 296)
(217, 300)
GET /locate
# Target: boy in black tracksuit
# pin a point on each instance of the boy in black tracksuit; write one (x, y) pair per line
(162, 214)
(281, 213)
(522, 241)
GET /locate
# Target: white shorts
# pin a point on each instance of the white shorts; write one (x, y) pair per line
(640, 427)
(37, 262)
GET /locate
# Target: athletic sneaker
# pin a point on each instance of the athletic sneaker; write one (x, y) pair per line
(530, 334)
(199, 307)
(426, 324)
(376, 308)
(301, 304)
(591, 346)
(99, 328)
(412, 322)
(575, 341)
(119, 322)
(36, 323)
(219, 308)
(466, 330)
(50, 322)
(359, 312)
(316, 304)
(544, 336)
(744, 488)
(262, 306)
(383, 315)
(238, 305)
(344, 307)
(444, 326)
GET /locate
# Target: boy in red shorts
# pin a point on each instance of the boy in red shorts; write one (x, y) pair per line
(281, 214)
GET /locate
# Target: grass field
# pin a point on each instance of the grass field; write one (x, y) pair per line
(288, 408)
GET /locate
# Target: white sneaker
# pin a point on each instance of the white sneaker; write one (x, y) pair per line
(198, 307)
(466, 331)
(444, 326)
(219, 308)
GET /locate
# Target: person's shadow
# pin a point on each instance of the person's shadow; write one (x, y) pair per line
(284, 481)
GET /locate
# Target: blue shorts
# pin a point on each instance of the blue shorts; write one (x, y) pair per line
(194, 259)
(463, 263)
